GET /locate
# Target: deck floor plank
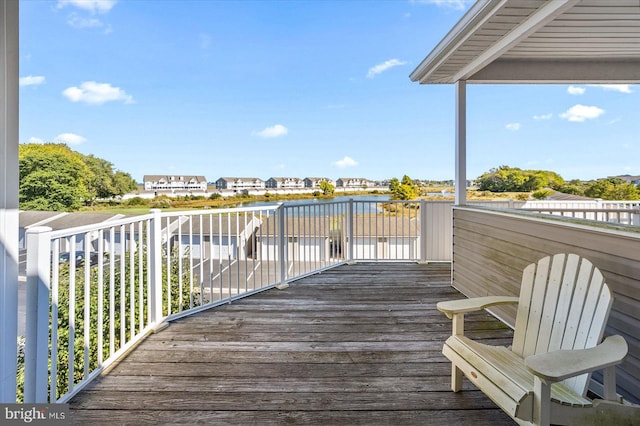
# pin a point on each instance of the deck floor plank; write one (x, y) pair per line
(358, 344)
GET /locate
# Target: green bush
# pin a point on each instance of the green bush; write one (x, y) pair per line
(542, 194)
(138, 201)
(129, 305)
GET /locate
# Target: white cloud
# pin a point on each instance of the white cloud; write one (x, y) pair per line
(31, 80)
(93, 6)
(77, 21)
(380, 68)
(453, 4)
(622, 88)
(579, 113)
(93, 93)
(513, 126)
(345, 162)
(272, 132)
(575, 90)
(543, 116)
(70, 139)
(33, 139)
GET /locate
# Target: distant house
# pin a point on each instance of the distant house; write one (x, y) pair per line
(314, 182)
(239, 184)
(630, 179)
(174, 183)
(354, 183)
(284, 183)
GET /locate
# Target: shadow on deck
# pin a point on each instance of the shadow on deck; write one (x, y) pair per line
(357, 344)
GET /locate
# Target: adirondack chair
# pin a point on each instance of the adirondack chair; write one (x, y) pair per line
(543, 376)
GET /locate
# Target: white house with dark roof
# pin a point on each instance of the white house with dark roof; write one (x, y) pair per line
(314, 182)
(174, 183)
(354, 183)
(239, 183)
(630, 179)
(284, 183)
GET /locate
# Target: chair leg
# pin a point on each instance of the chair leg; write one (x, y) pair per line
(541, 402)
(610, 384)
(456, 378)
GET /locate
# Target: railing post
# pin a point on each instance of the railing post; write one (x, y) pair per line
(155, 269)
(350, 218)
(36, 350)
(282, 243)
(423, 230)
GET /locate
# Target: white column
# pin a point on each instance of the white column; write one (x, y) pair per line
(36, 350)
(461, 142)
(8, 198)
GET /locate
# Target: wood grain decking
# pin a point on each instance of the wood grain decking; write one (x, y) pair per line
(358, 344)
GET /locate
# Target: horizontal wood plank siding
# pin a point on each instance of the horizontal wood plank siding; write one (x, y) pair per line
(491, 248)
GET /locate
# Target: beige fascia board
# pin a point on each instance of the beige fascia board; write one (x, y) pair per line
(479, 13)
(537, 20)
(559, 71)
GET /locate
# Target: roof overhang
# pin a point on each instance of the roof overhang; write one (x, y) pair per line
(539, 41)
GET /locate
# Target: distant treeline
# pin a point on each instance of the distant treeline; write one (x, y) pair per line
(513, 179)
(54, 177)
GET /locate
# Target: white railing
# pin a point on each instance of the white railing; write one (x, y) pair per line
(624, 216)
(94, 291)
(622, 212)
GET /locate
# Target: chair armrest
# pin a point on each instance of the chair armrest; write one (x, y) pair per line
(452, 307)
(559, 365)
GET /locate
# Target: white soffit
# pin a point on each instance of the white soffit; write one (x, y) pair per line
(539, 41)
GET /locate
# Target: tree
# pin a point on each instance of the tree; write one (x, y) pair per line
(403, 190)
(105, 181)
(394, 184)
(575, 187)
(513, 179)
(326, 187)
(54, 177)
(123, 183)
(612, 189)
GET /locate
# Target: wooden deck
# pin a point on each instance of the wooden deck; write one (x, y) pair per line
(358, 344)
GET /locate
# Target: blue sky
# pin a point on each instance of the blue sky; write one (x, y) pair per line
(294, 88)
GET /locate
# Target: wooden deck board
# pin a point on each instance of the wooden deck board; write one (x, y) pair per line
(359, 344)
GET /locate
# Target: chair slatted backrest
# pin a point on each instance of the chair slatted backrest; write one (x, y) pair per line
(564, 304)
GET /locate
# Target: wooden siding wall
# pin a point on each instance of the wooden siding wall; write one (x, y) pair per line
(437, 227)
(437, 231)
(492, 248)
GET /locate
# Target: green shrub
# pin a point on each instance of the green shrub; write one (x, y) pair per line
(542, 194)
(135, 284)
